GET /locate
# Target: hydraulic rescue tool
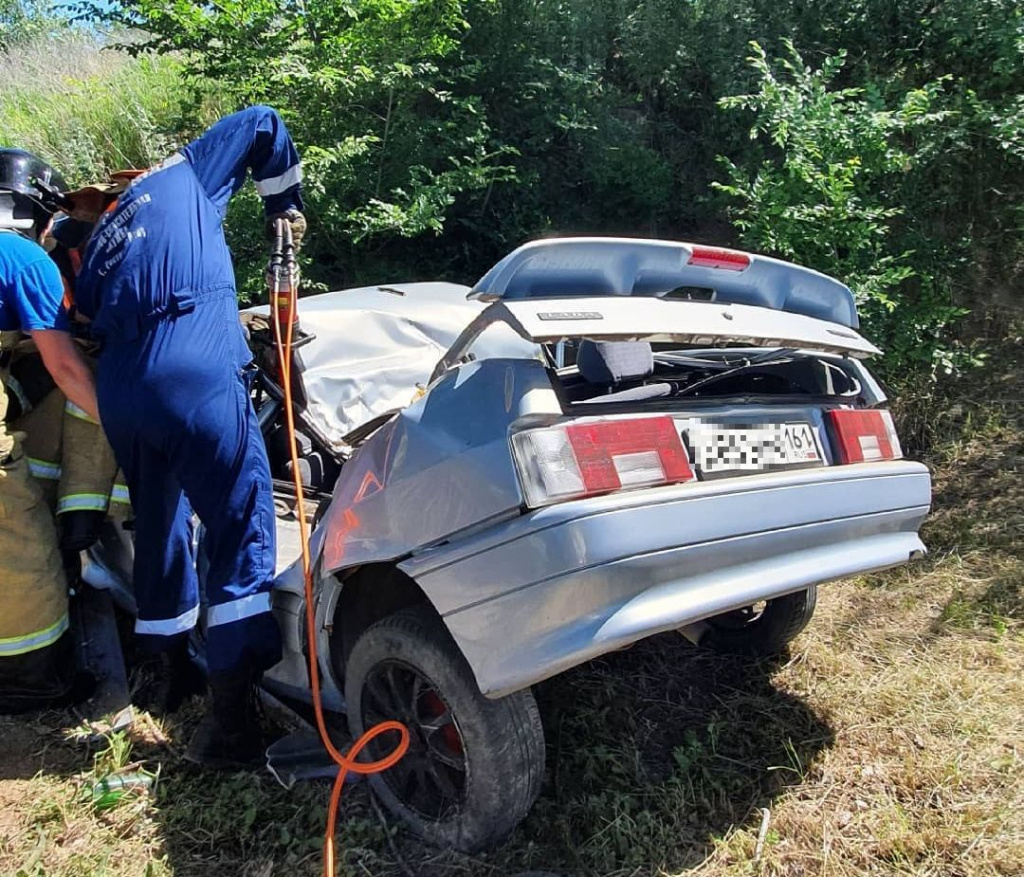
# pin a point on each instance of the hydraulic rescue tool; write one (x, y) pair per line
(282, 276)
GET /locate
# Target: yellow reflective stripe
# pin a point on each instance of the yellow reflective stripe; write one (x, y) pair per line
(72, 409)
(119, 493)
(78, 502)
(44, 469)
(19, 645)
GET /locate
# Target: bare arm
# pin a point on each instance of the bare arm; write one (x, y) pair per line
(64, 361)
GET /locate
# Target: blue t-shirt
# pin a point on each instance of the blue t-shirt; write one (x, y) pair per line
(31, 291)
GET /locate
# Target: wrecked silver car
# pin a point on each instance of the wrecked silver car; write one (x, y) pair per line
(602, 440)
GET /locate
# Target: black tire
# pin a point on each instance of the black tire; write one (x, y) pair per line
(474, 765)
(766, 632)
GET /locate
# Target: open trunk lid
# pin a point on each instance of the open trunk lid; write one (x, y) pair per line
(658, 320)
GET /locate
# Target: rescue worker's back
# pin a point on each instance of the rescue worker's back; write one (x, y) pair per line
(173, 384)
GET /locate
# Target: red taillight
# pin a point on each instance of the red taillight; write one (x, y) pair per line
(583, 459)
(712, 257)
(612, 454)
(864, 436)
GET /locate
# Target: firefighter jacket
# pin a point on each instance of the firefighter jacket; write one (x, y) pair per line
(33, 593)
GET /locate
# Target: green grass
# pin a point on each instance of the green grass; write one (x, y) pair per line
(886, 742)
(90, 110)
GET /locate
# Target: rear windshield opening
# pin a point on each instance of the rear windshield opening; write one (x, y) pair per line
(623, 371)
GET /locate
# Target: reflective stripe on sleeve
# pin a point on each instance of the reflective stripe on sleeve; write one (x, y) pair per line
(169, 162)
(19, 645)
(236, 610)
(168, 626)
(82, 502)
(44, 469)
(119, 493)
(277, 185)
(72, 409)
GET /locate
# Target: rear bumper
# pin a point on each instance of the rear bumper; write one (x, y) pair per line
(530, 598)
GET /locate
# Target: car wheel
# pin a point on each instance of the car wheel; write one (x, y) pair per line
(474, 766)
(761, 629)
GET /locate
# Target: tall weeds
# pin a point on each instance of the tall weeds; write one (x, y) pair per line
(89, 110)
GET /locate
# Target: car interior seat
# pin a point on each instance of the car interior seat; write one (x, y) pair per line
(619, 368)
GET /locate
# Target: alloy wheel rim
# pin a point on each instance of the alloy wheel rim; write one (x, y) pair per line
(431, 778)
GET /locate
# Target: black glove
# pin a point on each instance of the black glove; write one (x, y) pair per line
(28, 384)
(297, 222)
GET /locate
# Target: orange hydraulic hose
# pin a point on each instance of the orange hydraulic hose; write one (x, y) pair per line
(346, 762)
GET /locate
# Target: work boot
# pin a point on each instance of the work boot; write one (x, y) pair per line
(40, 679)
(185, 678)
(229, 736)
(163, 681)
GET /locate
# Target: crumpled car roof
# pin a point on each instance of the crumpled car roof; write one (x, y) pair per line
(375, 347)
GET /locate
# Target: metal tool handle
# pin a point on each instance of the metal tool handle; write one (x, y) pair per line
(282, 268)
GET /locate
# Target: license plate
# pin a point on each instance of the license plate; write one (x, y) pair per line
(718, 448)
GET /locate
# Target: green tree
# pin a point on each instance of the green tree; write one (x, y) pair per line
(823, 190)
(388, 145)
(439, 134)
(23, 20)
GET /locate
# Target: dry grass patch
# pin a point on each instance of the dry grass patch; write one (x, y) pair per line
(51, 822)
(887, 742)
(925, 774)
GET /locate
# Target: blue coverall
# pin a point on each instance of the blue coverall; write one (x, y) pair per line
(173, 386)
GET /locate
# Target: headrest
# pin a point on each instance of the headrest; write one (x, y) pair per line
(612, 362)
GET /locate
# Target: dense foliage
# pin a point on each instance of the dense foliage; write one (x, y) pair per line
(826, 195)
(878, 140)
(135, 107)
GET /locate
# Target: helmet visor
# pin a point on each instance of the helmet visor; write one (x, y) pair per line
(19, 170)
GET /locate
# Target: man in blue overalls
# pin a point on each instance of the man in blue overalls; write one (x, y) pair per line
(173, 386)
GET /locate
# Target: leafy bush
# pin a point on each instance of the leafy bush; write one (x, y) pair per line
(365, 91)
(436, 136)
(820, 191)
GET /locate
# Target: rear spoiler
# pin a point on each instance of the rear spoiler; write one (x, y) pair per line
(594, 266)
(628, 318)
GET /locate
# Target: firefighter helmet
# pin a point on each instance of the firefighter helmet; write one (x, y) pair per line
(28, 186)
